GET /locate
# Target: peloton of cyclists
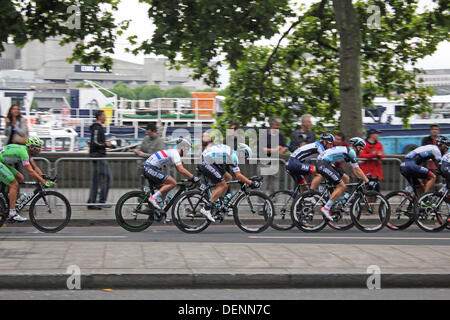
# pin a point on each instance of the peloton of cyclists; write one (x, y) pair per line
(413, 170)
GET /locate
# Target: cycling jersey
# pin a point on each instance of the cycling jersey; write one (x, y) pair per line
(221, 155)
(14, 153)
(446, 158)
(424, 153)
(338, 154)
(164, 158)
(307, 151)
(10, 155)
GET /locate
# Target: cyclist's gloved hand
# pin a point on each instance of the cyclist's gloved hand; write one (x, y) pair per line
(373, 185)
(49, 184)
(255, 185)
(196, 179)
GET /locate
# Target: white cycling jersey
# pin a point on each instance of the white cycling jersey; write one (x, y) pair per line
(164, 158)
(221, 154)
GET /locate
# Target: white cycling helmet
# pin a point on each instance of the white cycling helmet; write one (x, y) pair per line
(357, 142)
(242, 147)
(183, 143)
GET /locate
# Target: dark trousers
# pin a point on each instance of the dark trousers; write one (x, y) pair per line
(101, 177)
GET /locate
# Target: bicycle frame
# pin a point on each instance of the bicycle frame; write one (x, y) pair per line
(28, 199)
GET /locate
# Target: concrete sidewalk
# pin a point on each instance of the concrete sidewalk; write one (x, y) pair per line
(43, 265)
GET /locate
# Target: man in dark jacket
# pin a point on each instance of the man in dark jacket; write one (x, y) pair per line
(304, 135)
(101, 174)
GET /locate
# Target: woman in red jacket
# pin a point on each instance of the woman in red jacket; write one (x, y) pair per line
(373, 152)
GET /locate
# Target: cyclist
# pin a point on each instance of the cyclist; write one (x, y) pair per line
(445, 169)
(13, 154)
(337, 176)
(299, 165)
(156, 163)
(217, 162)
(413, 170)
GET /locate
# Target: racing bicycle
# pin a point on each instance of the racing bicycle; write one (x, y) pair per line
(252, 210)
(49, 210)
(368, 210)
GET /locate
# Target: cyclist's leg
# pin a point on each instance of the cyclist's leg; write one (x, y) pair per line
(316, 181)
(335, 177)
(298, 170)
(167, 185)
(8, 178)
(430, 180)
(157, 177)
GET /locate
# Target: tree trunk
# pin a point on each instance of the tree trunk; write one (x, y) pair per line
(350, 68)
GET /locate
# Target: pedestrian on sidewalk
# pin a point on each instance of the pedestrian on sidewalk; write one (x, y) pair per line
(101, 174)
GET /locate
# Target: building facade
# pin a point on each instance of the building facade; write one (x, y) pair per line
(44, 67)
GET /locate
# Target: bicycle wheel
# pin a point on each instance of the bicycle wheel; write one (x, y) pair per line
(132, 212)
(402, 210)
(370, 212)
(253, 213)
(431, 214)
(305, 211)
(282, 203)
(186, 212)
(50, 211)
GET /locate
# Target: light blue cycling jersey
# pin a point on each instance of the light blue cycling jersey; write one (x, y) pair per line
(423, 153)
(221, 154)
(338, 154)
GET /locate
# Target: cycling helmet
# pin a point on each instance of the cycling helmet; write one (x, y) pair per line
(357, 142)
(34, 142)
(183, 143)
(443, 141)
(242, 147)
(327, 137)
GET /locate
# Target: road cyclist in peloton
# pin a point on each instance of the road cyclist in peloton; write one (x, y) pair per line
(217, 163)
(299, 164)
(13, 154)
(413, 170)
(156, 164)
(337, 176)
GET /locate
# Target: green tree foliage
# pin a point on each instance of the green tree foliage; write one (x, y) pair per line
(301, 73)
(148, 92)
(24, 20)
(123, 91)
(177, 92)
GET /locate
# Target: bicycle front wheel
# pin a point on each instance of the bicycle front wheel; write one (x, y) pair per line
(431, 213)
(305, 212)
(186, 212)
(50, 212)
(370, 211)
(282, 203)
(253, 212)
(402, 210)
(132, 212)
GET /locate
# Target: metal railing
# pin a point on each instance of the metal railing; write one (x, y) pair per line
(75, 175)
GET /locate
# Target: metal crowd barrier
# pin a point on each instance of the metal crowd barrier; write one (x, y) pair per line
(75, 175)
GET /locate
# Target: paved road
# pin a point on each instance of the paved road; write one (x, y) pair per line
(227, 295)
(228, 234)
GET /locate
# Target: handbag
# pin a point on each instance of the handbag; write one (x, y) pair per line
(18, 139)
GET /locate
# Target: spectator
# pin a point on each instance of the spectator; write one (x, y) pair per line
(435, 131)
(15, 128)
(304, 135)
(101, 174)
(373, 152)
(152, 142)
(272, 181)
(339, 140)
(233, 137)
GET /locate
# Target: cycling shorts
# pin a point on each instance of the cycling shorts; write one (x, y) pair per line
(445, 169)
(7, 173)
(213, 172)
(299, 170)
(330, 172)
(413, 172)
(155, 176)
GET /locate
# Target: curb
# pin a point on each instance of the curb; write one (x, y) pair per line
(209, 281)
